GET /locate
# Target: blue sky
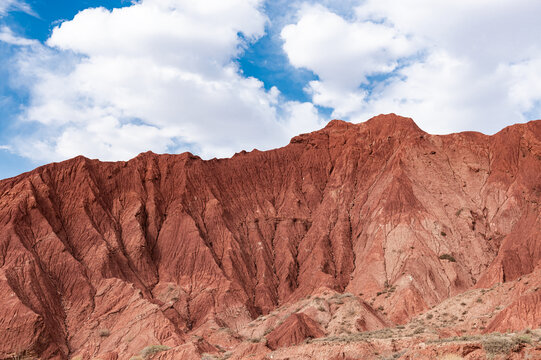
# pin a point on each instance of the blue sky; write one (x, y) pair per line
(36, 24)
(110, 79)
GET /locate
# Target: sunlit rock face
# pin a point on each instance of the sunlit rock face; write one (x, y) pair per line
(174, 257)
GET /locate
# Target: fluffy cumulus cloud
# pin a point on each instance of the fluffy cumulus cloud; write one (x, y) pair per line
(163, 74)
(160, 75)
(460, 65)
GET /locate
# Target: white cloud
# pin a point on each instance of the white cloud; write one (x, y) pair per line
(161, 74)
(452, 66)
(7, 36)
(17, 5)
(331, 46)
(157, 75)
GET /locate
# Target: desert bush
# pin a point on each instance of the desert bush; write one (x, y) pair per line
(523, 339)
(447, 257)
(104, 332)
(495, 345)
(207, 356)
(152, 350)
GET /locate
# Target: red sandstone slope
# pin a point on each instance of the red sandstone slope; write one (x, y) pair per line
(295, 329)
(105, 259)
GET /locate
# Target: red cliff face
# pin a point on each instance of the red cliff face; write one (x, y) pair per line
(110, 260)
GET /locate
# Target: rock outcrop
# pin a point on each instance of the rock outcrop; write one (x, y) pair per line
(296, 329)
(177, 255)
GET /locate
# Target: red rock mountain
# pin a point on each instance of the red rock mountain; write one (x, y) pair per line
(350, 229)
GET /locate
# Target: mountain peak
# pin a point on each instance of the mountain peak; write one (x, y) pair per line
(392, 122)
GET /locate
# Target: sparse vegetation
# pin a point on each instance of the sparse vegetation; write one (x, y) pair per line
(523, 338)
(207, 356)
(396, 355)
(339, 298)
(104, 332)
(447, 257)
(358, 336)
(388, 289)
(495, 345)
(151, 350)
